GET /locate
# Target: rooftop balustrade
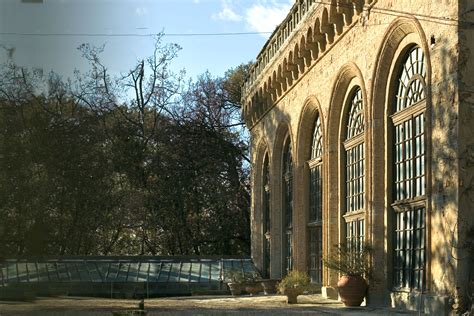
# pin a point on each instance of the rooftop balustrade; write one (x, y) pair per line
(306, 34)
(297, 13)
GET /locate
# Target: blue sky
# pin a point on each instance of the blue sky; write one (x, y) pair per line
(111, 17)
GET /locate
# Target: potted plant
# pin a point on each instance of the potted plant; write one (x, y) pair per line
(269, 285)
(354, 265)
(240, 281)
(235, 282)
(252, 284)
(293, 284)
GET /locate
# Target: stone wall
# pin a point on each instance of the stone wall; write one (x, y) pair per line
(286, 95)
(463, 230)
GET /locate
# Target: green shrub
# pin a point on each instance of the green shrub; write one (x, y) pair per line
(350, 261)
(240, 277)
(295, 279)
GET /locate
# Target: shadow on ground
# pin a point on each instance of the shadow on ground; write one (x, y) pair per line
(204, 305)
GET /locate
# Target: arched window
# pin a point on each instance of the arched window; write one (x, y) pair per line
(288, 205)
(266, 218)
(409, 184)
(355, 172)
(316, 204)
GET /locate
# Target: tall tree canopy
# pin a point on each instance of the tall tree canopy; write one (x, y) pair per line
(139, 164)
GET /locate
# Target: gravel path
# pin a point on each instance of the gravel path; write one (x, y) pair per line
(204, 305)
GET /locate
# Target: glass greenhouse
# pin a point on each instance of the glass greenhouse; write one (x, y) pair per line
(118, 276)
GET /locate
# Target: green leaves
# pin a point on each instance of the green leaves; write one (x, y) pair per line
(353, 260)
(295, 279)
(86, 171)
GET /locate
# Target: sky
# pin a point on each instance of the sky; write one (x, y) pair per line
(46, 35)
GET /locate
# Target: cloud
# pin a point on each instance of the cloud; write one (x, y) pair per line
(260, 16)
(265, 15)
(227, 13)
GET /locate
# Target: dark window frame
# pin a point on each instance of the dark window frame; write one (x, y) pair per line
(354, 171)
(287, 181)
(266, 218)
(409, 246)
(409, 168)
(315, 218)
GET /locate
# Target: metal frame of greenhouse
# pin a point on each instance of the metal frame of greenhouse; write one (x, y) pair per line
(118, 277)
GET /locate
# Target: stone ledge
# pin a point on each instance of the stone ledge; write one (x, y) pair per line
(428, 304)
(329, 292)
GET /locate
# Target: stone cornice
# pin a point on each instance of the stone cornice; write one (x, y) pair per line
(300, 41)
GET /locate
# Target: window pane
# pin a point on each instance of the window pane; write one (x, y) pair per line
(411, 85)
(409, 159)
(355, 231)
(355, 178)
(288, 204)
(409, 259)
(355, 125)
(409, 176)
(316, 250)
(266, 218)
(315, 193)
(317, 146)
(266, 258)
(289, 251)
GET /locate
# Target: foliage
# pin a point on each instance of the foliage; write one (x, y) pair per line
(350, 261)
(295, 279)
(240, 277)
(132, 165)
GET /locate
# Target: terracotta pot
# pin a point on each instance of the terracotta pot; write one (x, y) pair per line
(269, 286)
(253, 287)
(292, 295)
(352, 289)
(235, 288)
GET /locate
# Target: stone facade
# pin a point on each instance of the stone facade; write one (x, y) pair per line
(311, 67)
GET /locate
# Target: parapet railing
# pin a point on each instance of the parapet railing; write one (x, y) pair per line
(309, 31)
(279, 37)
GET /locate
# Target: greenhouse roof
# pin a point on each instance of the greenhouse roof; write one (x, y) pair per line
(122, 269)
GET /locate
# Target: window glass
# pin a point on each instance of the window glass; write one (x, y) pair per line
(355, 124)
(288, 205)
(409, 154)
(355, 173)
(411, 81)
(355, 155)
(266, 218)
(316, 205)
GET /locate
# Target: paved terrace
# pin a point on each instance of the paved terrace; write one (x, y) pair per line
(202, 305)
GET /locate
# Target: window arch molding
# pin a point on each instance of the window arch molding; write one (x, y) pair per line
(349, 76)
(311, 110)
(314, 234)
(282, 136)
(258, 160)
(398, 63)
(266, 216)
(287, 183)
(400, 37)
(262, 154)
(407, 163)
(408, 204)
(347, 79)
(354, 161)
(344, 140)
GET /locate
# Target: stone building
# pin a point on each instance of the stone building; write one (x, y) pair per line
(360, 114)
